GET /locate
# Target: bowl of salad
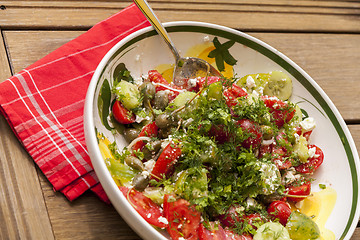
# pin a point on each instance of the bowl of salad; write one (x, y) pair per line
(259, 153)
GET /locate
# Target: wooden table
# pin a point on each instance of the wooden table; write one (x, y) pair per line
(322, 36)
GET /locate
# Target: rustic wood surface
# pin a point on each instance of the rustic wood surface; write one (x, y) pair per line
(322, 37)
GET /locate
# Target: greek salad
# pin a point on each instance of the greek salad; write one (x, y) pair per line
(216, 158)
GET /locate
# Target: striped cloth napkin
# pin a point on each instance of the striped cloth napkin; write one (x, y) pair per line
(44, 104)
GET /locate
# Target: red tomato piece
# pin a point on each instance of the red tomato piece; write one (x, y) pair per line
(164, 164)
(237, 91)
(231, 94)
(150, 130)
(184, 219)
(254, 220)
(121, 114)
(230, 217)
(233, 236)
(302, 190)
(155, 77)
(230, 98)
(279, 210)
(210, 80)
(280, 157)
(149, 210)
(216, 232)
(253, 130)
(219, 133)
(306, 135)
(280, 110)
(161, 84)
(312, 163)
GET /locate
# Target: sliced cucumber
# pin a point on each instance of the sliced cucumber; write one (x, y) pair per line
(279, 85)
(301, 149)
(255, 82)
(302, 227)
(128, 94)
(182, 99)
(272, 231)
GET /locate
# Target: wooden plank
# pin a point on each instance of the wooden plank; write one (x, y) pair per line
(23, 213)
(330, 59)
(250, 16)
(5, 71)
(37, 45)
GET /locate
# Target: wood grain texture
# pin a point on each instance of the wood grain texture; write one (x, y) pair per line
(5, 71)
(330, 16)
(23, 213)
(317, 54)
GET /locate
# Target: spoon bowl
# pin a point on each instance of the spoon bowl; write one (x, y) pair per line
(185, 68)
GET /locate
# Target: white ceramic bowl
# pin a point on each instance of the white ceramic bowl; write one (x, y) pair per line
(144, 50)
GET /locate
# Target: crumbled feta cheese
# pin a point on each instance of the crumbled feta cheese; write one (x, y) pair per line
(308, 124)
(138, 81)
(192, 82)
(163, 220)
(255, 93)
(149, 165)
(296, 136)
(145, 173)
(312, 153)
(250, 82)
(250, 202)
(290, 176)
(261, 90)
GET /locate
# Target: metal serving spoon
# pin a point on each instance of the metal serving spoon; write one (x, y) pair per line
(185, 68)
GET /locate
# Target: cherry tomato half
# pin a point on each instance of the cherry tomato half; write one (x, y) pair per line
(233, 236)
(299, 131)
(312, 163)
(279, 210)
(149, 130)
(280, 110)
(121, 114)
(183, 219)
(161, 84)
(149, 210)
(251, 129)
(219, 133)
(302, 190)
(216, 232)
(166, 161)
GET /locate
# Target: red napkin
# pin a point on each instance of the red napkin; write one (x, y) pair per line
(44, 104)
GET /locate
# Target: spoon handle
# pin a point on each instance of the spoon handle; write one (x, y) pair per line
(150, 15)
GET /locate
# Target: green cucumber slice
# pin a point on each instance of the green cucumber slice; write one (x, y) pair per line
(272, 231)
(128, 94)
(279, 85)
(255, 82)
